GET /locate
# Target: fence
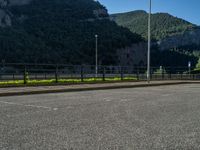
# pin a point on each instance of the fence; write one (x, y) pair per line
(55, 72)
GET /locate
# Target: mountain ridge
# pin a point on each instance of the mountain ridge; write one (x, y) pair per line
(51, 31)
(163, 24)
(175, 41)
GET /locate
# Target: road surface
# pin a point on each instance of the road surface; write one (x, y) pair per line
(148, 118)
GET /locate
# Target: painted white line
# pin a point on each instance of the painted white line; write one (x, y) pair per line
(123, 100)
(33, 106)
(107, 99)
(166, 95)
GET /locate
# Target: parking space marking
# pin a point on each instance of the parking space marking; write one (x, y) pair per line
(124, 100)
(28, 105)
(107, 99)
(166, 95)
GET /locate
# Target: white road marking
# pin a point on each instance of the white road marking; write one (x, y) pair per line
(33, 106)
(107, 99)
(166, 95)
(123, 100)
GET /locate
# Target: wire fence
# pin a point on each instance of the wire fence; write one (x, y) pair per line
(29, 72)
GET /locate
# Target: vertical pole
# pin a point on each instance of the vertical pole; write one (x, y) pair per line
(56, 74)
(104, 71)
(138, 74)
(189, 67)
(163, 74)
(149, 43)
(170, 74)
(190, 73)
(96, 51)
(122, 73)
(82, 80)
(25, 74)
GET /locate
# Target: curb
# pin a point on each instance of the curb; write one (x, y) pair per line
(92, 88)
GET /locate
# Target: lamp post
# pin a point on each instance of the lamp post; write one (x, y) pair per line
(96, 57)
(189, 68)
(149, 44)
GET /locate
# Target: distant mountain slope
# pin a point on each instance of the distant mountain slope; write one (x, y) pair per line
(60, 31)
(175, 41)
(163, 25)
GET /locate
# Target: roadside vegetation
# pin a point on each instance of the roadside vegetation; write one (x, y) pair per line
(66, 81)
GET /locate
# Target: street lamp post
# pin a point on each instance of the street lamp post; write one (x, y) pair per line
(189, 68)
(149, 44)
(96, 51)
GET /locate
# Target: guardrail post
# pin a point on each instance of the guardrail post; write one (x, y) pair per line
(138, 74)
(163, 76)
(170, 74)
(104, 73)
(82, 74)
(25, 75)
(122, 73)
(181, 76)
(56, 74)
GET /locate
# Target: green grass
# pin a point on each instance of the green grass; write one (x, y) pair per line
(62, 81)
(197, 69)
(11, 82)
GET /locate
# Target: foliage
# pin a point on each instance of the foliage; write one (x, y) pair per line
(172, 58)
(52, 81)
(162, 24)
(62, 31)
(198, 64)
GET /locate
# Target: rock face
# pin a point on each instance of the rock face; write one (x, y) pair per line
(5, 15)
(4, 3)
(135, 55)
(100, 13)
(191, 37)
(5, 18)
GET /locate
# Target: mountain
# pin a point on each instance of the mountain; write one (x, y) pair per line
(176, 41)
(162, 24)
(60, 31)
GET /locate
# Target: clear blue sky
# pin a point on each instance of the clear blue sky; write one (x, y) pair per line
(186, 9)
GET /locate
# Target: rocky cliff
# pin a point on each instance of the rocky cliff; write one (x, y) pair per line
(4, 3)
(190, 37)
(169, 31)
(60, 31)
(5, 14)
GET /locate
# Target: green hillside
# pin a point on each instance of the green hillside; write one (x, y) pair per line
(172, 30)
(162, 24)
(62, 31)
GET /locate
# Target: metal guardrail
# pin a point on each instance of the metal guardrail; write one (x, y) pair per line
(17, 71)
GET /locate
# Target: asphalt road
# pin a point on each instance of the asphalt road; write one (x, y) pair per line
(152, 118)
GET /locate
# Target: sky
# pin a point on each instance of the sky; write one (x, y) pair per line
(186, 9)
